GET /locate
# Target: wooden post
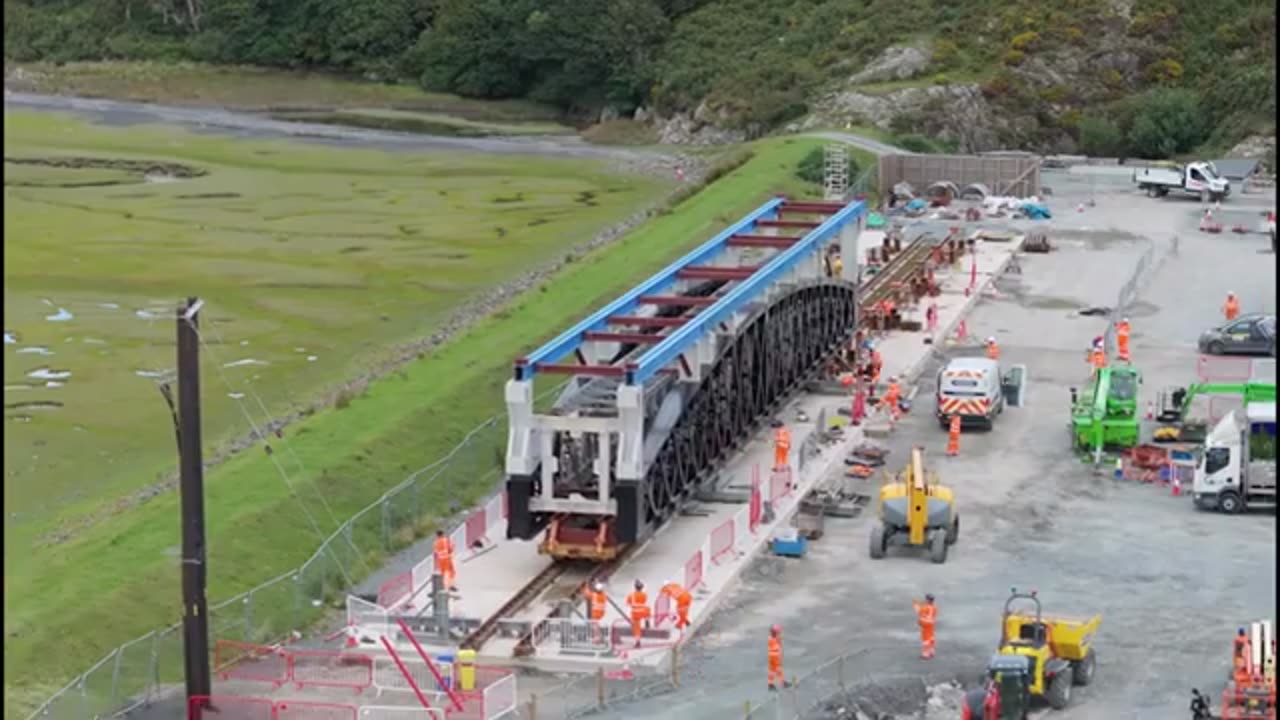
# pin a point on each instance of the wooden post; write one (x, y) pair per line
(195, 612)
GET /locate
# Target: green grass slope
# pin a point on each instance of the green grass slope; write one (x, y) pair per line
(117, 578)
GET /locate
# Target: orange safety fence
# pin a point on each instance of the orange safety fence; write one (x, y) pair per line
(662, 610)
(756, 504)
(217, 707)
(477, 525)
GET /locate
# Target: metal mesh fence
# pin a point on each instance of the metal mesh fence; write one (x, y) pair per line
(1131, 290)
(141, 670)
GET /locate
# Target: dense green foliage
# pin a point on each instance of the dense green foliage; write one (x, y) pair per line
(1068, 68)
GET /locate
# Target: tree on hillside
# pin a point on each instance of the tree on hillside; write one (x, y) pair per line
(1166, 123)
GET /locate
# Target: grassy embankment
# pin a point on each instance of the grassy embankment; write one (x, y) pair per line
(114, 579)
(285, 95)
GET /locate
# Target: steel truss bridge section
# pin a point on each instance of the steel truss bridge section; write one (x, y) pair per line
(672, 376)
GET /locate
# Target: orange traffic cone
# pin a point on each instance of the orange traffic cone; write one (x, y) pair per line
(1151, 410)
(1175, 486)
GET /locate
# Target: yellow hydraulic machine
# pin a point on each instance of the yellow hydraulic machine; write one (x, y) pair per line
(916, 511)
(1060, 650)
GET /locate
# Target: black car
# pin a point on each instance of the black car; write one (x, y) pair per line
(1246, 335)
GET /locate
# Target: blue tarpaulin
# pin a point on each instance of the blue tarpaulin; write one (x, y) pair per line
(916, 204)
(1036, 211)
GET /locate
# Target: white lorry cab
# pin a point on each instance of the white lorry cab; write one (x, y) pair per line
(1197, 178)
(974, 389)
(1227, 477)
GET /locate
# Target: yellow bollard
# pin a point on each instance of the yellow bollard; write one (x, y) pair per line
(467, 670)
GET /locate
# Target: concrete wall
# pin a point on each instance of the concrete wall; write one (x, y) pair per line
(994, 172)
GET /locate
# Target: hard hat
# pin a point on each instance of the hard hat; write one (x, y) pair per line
(776, 629)
(991, 340)
(639, 585)
(928, 597)
(598, 585)
(668, 581)
(1240, 631)
(1231, 293)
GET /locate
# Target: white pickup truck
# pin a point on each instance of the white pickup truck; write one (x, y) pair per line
(1197, 178)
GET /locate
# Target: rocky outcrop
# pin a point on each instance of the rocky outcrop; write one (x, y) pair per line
(957, 112)
(895, 63)
(1257, 147)
(704, 126)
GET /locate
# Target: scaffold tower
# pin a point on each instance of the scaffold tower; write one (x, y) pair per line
(836, 172)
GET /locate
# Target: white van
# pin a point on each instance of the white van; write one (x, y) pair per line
(970, 387)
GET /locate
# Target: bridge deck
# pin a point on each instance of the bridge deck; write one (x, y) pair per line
(808, 228)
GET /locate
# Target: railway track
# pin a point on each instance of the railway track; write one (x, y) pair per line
(899, 271)
(578, 574)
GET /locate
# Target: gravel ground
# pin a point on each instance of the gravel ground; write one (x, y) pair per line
(1171, 583)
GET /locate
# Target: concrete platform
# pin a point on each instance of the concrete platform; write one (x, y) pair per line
(488, 580)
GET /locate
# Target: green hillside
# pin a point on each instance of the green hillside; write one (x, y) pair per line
(1052, 75)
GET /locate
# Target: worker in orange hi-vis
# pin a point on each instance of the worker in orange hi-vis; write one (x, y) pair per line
(993, 350)
(1122, 339)
(781, 445)
(683, 600)
(776, 678)
(638, 602)
(927, 618)
(953, 436)
(892, 396)
(443, 549)
(1231, 308)
(1241, 656)
(1097, 357)
(597, 600)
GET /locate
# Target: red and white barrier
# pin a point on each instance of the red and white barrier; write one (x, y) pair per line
(721, 541)
(216, 707)
(329, 669)
(303, 710)
(395, 591)
(254, 663)
(693, 570)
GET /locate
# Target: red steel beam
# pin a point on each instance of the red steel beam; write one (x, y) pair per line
(677, 300)
(592, 370)
(765, 241)
(787, 223)
(704, 272)
(658, 322)
(625, 338)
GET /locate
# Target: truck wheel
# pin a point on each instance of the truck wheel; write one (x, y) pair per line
(1215, 348)
(879, 541)
(1082, 670)
(1152, 192)
(938, 547)
(1059, 693)
(954, 533)
(1229, 502)
(1215, 197)
(973, 702)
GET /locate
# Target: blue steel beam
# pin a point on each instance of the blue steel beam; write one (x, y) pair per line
(665, 352)
(572, 339)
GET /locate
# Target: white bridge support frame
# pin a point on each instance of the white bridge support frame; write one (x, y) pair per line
(530, 441)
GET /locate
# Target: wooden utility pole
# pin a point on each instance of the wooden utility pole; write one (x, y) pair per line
(195, 611)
